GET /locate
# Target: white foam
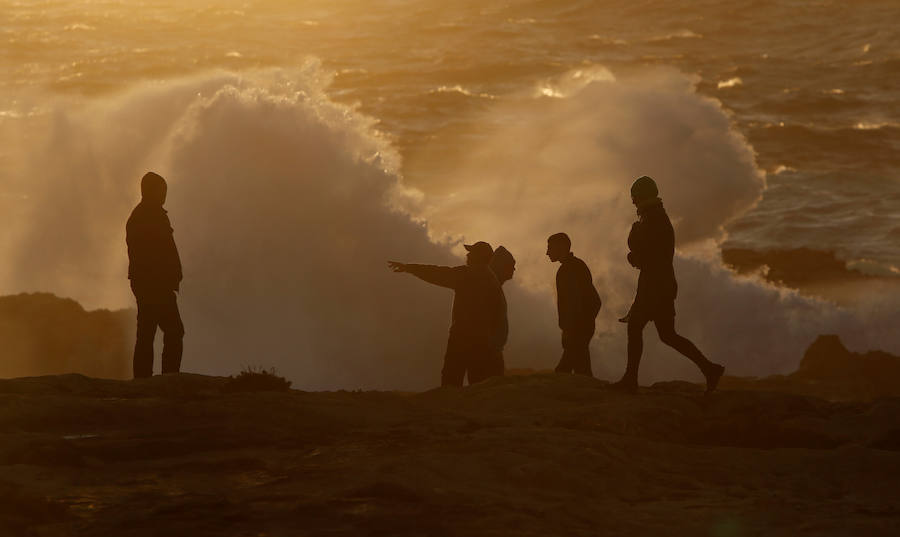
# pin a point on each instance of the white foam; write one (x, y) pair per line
(566, 164)
(781, 168)
(873, 268)
(285, 205)
(573, 81)
(79, 26)
(462, 91)
(870, 126)
(680, 34)
(607, 40)
(730, 83)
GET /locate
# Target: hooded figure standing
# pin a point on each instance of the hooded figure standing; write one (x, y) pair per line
(478, 314)
(652, 248)
(503, 265)
(577, 302)
(154, 269)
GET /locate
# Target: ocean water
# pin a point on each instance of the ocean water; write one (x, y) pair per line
(306, 143)
(812, 85)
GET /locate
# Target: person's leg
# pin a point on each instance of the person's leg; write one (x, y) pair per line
(454, 370)
(477, 367)
(665, 327)
(565, 364)
(485, 364)
(498, 365)
(173, 335)
(636, 324)
(582, 354)
(147, 318)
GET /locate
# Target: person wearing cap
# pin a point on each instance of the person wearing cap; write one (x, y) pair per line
(154, 269)
(652, 247)
(477, 314)
(577, 303)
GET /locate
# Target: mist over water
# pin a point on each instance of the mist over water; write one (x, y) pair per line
(286, 206)
(564, 163)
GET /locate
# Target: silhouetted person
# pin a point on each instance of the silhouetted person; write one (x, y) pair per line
(477, 313)
(503, 264)
(154, 269)
(652, 247)
(578, 304)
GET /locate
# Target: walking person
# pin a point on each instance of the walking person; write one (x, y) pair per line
(154, 269)
(477, 312)
(577, 302)
(652, 248)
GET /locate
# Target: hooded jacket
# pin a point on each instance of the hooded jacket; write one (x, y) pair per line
(652, 245)
(153, 261)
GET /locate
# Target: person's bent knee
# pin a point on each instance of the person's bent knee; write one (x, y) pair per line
(671, 339)
(667, 333)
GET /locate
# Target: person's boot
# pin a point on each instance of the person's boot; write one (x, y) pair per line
(713, 373)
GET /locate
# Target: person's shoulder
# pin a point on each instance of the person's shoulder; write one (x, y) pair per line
(659, 212)
(137, 214)
(580, 265)
(474, 272)
(661, 218)
(147, 209)
(459, 271)
(149, 216)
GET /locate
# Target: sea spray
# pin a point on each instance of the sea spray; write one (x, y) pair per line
(546, 165)
(286, 207)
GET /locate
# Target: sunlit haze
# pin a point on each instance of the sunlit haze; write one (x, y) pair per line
(306, 143)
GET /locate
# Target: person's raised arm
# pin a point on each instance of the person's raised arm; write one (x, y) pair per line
(450, 277)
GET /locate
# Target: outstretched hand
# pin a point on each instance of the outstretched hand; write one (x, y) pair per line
(397, 266)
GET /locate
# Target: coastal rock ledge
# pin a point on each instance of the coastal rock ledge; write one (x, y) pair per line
(535, 455)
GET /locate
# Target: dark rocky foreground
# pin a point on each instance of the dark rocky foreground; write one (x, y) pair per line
(527, 455)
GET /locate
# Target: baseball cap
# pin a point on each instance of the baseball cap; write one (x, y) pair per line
(481, 249)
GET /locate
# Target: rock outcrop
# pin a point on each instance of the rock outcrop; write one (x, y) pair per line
(42, 334)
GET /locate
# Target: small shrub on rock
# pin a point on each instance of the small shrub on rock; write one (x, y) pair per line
(257, 380)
